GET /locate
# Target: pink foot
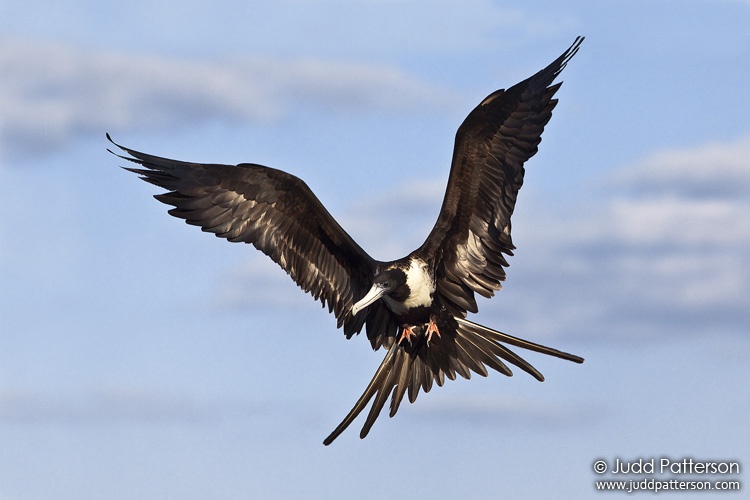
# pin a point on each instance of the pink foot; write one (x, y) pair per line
(406, 333)
(432, 328)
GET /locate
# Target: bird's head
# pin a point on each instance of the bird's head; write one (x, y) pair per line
(391, 282)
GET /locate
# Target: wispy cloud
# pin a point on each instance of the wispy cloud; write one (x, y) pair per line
(257, 282)
(518, 411)
(663, 253)
(112, 405)
(53, 92)
(716, 170)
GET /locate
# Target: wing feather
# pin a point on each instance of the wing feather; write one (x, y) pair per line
(278, 214)
(473, 230)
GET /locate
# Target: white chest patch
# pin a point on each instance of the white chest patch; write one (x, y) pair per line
(421, 287)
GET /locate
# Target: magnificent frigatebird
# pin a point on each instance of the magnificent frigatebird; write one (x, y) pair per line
(414, 307)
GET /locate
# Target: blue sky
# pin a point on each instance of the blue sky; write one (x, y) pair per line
(141, 358)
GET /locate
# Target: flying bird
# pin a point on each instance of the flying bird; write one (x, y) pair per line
(415, 307)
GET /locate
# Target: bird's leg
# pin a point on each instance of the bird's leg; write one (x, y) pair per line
(406, 333)
(432, 328)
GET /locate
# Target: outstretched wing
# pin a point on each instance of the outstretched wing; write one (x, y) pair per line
(277, 213)
(492, 145)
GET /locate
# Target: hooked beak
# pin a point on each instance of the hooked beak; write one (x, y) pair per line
(374, 294)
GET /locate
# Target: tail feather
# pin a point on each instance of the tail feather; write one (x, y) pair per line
(509, 339)
(398, 392)
(491, 352)
(375, 385)
(472, 360)
(465, 348)
(383, 391)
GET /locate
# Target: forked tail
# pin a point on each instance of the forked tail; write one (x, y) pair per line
(468, 347)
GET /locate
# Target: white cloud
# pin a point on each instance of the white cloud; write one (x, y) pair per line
(110, 405)
(696, 198)
(258, 282)
(504, 410)
(663, 255)
(716, 169)
(675, 220)
(52, 92)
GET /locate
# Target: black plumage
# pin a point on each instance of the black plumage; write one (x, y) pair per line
(414, 307)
